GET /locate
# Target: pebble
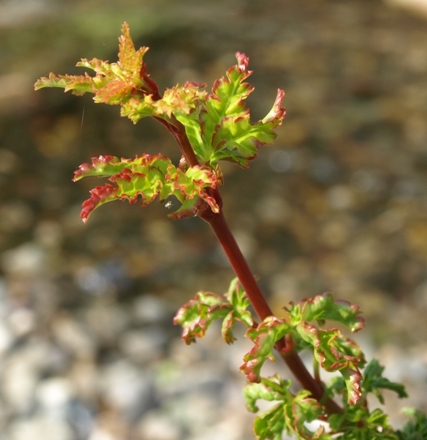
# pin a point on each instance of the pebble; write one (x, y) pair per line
(158, 426)
(148, 309)
(73, 337)
(40, 427)
(126, 388)
(25, 260)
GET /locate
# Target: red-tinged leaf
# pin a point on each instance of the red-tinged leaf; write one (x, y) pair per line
(334, 352)
(98, 196)
(105, 166)
(276, 115)
(218, 125)
(303, 410)
(353, 380)
(226, 98)
(114, 93)
(226, 132)
(241, 138)
(138, 107)
(325, 307)
(133, 185)
(228, 93)
(189, 208)
(180, 99)
(194, 182)
(240, 302)
(264, 337)
(147, 177)
(113, 83)
(129, 59)
(78, 84)
(270, 389)
(196, 316)
(101, 166)
(100, 67)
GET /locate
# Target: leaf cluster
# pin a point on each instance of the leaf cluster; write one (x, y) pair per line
(216, 124)
(297, 412)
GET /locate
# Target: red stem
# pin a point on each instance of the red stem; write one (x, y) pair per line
(243, 272)
(178, 132)
(240, 266)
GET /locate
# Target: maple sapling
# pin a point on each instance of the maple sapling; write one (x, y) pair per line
(211, 127)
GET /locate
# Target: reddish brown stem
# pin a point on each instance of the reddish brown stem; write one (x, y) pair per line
(285, 348)
(178, 131)
(240, 266)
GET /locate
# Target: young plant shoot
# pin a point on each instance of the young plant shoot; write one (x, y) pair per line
(210, 127)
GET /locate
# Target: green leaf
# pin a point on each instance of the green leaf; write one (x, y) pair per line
(415, 429)
(271, 423)
(226, 123)
(145, 178)
(220, 128)
(325, 307)
(358, 423)
(373, 381)
(240, 302)
(193, 130)
(197, 315)
(264, 337)
(270, 389)
(226, 98)
(291, 414)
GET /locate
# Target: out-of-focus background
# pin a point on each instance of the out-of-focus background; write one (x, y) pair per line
(339, 203)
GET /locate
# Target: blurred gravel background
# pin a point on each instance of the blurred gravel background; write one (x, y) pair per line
(87, 347)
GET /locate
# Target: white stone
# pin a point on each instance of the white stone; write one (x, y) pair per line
(156, 426)
(18, 384)
(73, 336)
(143, 346)
(148, 309)
(126, 387)
(40, 428)
(6, 338)
(54, 393)
(22, 321)
(28, 259)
